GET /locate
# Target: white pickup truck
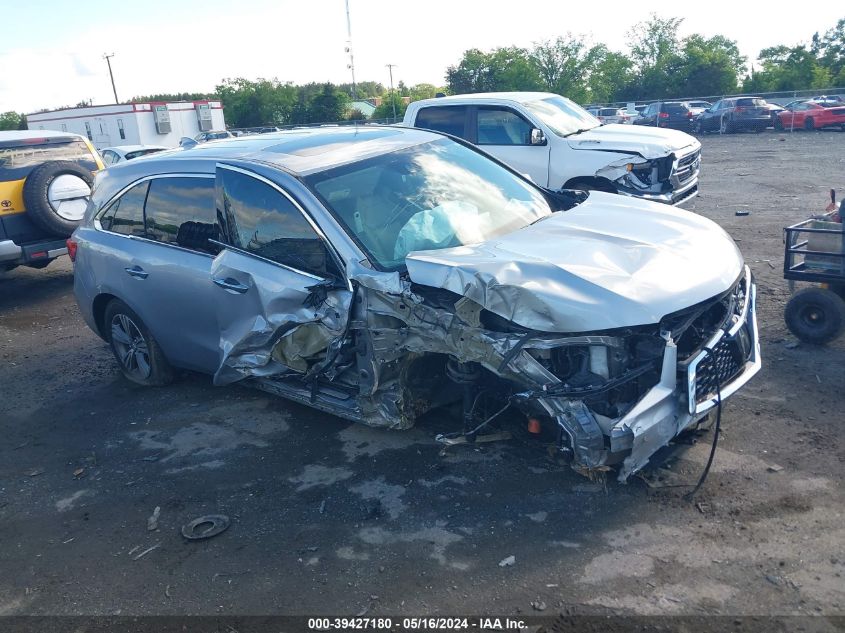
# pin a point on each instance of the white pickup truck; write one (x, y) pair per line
(559, 145)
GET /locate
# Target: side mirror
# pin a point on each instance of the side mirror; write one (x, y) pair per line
(187, 142)
(537, 137)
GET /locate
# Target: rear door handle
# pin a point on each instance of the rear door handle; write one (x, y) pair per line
(230, 284)
(137, 271)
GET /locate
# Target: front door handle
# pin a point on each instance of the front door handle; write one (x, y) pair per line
(137, 272)
(230, 284)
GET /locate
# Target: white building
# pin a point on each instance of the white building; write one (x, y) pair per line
(153, 123)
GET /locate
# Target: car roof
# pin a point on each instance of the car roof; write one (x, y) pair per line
(301, 152)
(516, 97)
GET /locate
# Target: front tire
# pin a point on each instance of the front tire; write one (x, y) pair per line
(778, 124)
(809, 124)
(137, 352)
(815, 315)
(725, 125)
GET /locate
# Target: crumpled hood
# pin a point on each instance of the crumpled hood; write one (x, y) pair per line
(610, 262)
(648, 142)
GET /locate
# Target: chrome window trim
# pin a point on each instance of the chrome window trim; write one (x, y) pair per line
(119, 194)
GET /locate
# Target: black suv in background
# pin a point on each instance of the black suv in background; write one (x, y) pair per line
(733, 115)
(45, 184)
(673, 114)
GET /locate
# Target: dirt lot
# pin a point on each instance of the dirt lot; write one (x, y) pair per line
(334, 518)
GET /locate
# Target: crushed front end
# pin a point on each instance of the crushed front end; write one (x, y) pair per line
(671, 179)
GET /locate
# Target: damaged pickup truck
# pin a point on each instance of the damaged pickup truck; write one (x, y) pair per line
(559, 145)
(378, 273)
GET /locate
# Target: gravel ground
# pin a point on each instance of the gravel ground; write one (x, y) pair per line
(329, 517)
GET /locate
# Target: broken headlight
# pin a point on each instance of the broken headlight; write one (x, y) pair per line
(644, 173)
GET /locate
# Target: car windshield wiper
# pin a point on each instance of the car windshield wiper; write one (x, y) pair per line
(579, 131)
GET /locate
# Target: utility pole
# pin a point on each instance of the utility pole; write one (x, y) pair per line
(111, 76)
(351, 64)
(390, 68)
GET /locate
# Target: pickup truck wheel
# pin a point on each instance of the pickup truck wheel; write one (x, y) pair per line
(56, 195)
(137, 352)
(815, 315)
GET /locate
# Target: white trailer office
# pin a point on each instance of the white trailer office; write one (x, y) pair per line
(152, 123)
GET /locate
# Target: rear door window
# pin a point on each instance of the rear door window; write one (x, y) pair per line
(448, 119)
(126, 215)
(260, 220)
(180, 212)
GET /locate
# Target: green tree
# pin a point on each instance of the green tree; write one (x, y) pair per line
(501, 69)
(656, 54)
(364, 89)
(787, 68)
(12, 121)
(385, 110)
(171, 97)
(611, 75)
(253, 103)
(328, 106)
(564, 66)
(830, 49)
(424, 91)
(708, 66)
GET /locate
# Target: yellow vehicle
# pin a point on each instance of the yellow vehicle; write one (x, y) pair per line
(45, 184)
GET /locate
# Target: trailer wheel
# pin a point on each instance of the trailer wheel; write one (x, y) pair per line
(815, 315)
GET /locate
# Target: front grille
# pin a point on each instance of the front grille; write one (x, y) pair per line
(719, 367)
(687, 167)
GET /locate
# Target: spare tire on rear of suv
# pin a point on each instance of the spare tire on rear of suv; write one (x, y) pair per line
(56, 195)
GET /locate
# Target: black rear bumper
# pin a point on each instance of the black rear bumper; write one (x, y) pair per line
(12, 254)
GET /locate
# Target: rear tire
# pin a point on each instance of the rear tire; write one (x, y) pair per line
(137, 352)
(725, 125)
(51, 196)
(809, 124)
(815, 315)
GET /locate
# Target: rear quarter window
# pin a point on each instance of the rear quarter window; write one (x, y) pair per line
(18, 161)
(748, 101)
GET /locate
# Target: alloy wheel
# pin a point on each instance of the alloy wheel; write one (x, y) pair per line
(130, 346)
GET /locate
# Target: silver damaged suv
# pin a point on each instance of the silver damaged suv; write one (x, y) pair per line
(378, 273)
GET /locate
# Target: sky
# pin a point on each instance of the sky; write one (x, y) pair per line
(51, 54)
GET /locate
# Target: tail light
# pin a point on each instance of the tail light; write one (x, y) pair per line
(740, 109)
(71, 249)
(663, 115)
(689, 114)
